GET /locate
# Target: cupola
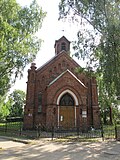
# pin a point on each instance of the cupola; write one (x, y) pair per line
(62, 45)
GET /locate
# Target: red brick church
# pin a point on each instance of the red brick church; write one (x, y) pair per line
(58, 95)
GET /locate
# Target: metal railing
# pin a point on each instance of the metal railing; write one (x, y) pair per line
(15, 127)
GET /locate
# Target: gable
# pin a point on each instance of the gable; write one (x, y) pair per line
(71, 75)
(56, 60)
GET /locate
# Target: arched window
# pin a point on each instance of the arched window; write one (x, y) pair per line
(67, 100)
(63, 46)
(39, 102)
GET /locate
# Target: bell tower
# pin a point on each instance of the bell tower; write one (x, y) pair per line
(62, 45)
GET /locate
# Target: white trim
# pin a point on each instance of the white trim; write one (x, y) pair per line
(58, 100)
(65, 73)
(58, 115)
(67, 91)
(75, 116)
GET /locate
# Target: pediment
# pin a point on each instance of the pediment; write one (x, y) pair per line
(55, 59)
(63, 74)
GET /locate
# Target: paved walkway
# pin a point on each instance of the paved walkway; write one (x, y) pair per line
(48, 150)
(6, 143)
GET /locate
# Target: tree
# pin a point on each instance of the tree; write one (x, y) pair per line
(99, 43)
(15, 103)
(4, 109)
(108, 104)
(18, 41)
(103, 17)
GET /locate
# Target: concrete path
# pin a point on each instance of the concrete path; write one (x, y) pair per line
(48, 150)
(6, 143)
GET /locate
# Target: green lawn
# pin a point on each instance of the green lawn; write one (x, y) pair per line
(11, 125)
(109, 131)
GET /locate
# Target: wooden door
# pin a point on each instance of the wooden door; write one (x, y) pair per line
(67, 116)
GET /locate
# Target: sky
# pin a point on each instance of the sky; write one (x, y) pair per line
(51, 30)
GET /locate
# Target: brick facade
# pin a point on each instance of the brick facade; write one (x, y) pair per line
(49, 83)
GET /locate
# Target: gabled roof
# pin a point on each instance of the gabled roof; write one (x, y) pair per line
(57, 57)
(67, 71)
(63, 37)
(47, 62)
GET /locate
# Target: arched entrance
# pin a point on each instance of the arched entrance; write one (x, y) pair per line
(67, 102)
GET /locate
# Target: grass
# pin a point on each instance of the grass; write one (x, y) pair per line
(77, 139)
(16, 137)
(11, 125)
(109, 131)
(2, 124)
(108, 127)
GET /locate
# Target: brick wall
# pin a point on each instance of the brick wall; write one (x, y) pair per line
(41, 81)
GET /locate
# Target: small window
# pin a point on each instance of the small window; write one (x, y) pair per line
(40, 102)
(50, 71)
(50, 74)
(63, 46)
(39, 108)
(63, 63)
(59, 66)
(43, 79)
(55, 69)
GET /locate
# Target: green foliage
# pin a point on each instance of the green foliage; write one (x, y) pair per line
(18, 41)
(14, 106)
(100, 42)
(4, 111)
(108, 104)
(15, 103)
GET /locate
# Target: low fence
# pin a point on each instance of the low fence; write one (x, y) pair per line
(118, 133)
(15, 127)
(56, 132)
(12, 126)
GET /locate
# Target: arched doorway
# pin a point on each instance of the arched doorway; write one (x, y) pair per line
(67, 102)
